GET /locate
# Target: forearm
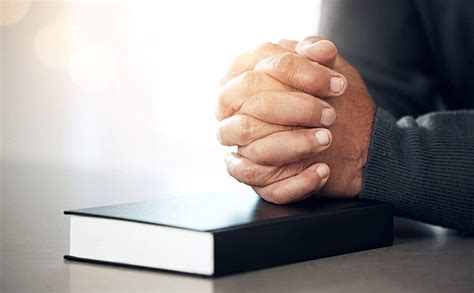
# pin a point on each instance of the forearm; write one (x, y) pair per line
(425, 167)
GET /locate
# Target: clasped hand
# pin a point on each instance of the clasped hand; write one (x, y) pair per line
(301, 117)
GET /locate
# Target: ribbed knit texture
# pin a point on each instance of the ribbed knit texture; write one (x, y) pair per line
(425, 167)
(416, 58)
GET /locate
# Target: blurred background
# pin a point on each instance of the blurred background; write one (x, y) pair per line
(113, 101)
(129, 87)
(105, 102)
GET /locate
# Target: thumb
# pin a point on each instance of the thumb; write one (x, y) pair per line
(318, 50)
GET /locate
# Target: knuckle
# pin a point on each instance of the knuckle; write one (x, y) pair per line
(267, 46)
(285, 62)
(247, 173)
(296, 168)
(260, 103)
(252, 79)
(259, 154)
(246, 127)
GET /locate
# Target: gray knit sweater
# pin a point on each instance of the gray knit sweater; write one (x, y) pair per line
(417, 58)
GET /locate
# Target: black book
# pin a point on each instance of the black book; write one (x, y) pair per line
(218, 234)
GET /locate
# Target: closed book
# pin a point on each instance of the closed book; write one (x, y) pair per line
(218, 234)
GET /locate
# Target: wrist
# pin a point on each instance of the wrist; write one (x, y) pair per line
(368, 133)
(368, 129)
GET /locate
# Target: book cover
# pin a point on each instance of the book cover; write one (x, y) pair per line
(217, 234)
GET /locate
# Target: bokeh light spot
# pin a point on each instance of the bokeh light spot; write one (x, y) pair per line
(53, 45)
(13, 11)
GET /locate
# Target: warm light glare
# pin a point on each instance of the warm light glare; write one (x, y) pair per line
(93, 67)
(131, 86)
(13, 11)
(53, 44)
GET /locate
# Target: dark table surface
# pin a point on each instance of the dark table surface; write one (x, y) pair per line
(34, 237)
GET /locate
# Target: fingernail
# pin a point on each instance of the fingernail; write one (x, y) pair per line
(323, 171)
(328, 116)
(323, 46)
(322, 137)
(336, 84)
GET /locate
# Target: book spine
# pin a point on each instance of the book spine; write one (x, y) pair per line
(302, 239)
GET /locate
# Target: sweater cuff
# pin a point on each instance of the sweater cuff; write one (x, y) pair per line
(385, 172)
(425, 174)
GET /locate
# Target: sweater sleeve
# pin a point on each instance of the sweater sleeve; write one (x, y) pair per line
(424, 167)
